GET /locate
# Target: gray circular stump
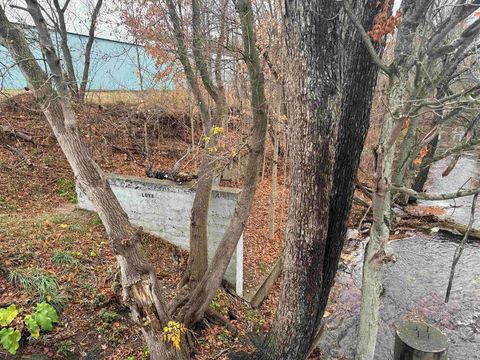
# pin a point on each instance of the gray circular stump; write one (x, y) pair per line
(419, 341)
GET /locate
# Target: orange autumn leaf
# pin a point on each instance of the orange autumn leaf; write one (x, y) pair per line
(417, 161)
(406, 123)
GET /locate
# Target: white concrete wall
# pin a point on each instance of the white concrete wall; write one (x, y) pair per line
(163, 208)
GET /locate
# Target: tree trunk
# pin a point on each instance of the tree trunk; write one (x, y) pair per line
(141, 289)
(67, 56)
(88, 51)
(422, 176)
(374, 253)
(273, 197)
(198, 257)
(203, 293)
(328, 118)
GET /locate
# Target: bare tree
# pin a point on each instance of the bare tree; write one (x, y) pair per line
(200, 297)
(426, 57)
(198, 258)
(142, 291)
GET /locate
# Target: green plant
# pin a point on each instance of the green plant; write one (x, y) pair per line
(10, 339)
(39, 282)
(65, 347)
(63, 257)
(99, 300)
(66, 189)
(77, 228)
(216, 304)
(223, 336)
(108, 316)
(42, 318)
(96, 220)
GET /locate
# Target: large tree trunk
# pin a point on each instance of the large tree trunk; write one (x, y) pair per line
(328, 118)
(141, 289)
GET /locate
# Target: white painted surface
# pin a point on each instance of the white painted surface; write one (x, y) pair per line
(163, 208)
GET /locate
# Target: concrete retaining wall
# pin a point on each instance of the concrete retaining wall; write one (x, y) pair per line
(163, 208)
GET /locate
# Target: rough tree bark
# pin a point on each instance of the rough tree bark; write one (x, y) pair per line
(141, 288)
(273, 195)
(88, 51)
(330, 84)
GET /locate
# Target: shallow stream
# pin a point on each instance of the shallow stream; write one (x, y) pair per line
(415, 284)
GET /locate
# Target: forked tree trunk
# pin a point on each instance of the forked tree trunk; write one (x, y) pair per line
(198, 257)
(201, 296)
(141, 289)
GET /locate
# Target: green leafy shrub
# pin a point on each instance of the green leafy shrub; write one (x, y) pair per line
(11, 326)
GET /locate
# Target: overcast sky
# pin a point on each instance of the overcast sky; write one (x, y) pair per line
(77, 17)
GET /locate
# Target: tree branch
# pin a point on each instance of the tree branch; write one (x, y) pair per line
(459, 250)
(366, 39)
(461, 147)
(198, 51)
(433, 197)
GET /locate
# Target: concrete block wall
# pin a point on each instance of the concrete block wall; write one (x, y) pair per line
(163, 208)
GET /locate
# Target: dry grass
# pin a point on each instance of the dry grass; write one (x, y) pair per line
(177, 100)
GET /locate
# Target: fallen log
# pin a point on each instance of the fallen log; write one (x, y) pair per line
(452, 228)
(17, 134)
(438, 224)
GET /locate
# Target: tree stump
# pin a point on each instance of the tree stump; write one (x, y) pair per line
(419, 341)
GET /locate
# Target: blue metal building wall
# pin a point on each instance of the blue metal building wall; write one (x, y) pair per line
(113, 65)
